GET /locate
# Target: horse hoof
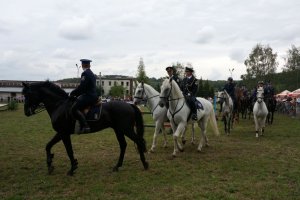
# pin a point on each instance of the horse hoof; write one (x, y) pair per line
(146, 166)
(151, 151)
(115, 169)
(50, 169)
(70, 173)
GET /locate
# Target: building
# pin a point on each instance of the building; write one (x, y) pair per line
(108, 81)
(12, 89)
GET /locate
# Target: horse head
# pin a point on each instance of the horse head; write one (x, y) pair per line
(32, 98)
(165, 92)
(260, 94)
(139, 94)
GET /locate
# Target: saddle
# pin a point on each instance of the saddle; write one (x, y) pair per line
(92, 113)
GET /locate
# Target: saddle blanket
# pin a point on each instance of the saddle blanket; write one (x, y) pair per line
(199, 105)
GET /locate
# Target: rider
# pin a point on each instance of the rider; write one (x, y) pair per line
(189, 89)
(269, 90)
(172, 74)
(259, 84)
(85, 93)
(230, 89)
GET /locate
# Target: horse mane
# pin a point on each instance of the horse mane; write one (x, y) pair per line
(178, 92)
(52, 87)
(150, 88)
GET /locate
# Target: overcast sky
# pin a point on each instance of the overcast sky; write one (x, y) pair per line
(44, 39)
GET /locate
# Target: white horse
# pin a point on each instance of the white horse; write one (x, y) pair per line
(145, 92)
(260, 112)
(227, 110)
(179, 112)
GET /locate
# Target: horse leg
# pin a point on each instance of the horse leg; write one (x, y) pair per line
(156, 131)
(50, 155)
(203, 126)
(123, 144)
(225, 124)
(183, 140)
(68, 146)
(193, 134)
(256, 125)
(141, 144)
(177, 146)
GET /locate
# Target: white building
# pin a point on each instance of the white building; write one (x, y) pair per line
(108, 81)
(11, 89)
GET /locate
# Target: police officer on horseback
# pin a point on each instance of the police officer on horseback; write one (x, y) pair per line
(86, 95)
(269, 90)
(229, 87)
(172, 75)
(259, 84)
(189, 89)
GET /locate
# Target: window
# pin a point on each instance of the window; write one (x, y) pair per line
(122, 83)
(127, 83)
(109, 83)
(102, 83)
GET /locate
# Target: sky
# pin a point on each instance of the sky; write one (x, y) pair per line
(44, 40)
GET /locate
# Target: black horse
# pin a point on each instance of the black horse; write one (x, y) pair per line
(120, 116)
(271, 105)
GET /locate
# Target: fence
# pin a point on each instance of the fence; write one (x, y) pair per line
(166, 124)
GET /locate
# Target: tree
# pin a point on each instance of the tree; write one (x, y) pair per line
(292, 59)
(141, 73)
(117, 91)
(200, 91)
(179, 69)
(261, 62)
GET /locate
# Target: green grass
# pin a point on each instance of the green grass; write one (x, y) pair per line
(238, 166)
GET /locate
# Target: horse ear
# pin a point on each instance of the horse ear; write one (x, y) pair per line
(24, 84)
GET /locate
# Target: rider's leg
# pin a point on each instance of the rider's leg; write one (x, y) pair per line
(77, 106)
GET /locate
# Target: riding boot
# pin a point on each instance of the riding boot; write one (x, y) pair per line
(194, 112)
(82, 121)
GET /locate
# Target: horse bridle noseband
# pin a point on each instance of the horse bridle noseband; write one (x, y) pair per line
(33, 108)
(147, 98)
(167, 98)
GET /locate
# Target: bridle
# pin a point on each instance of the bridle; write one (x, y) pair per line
(167, 98)
(146, 98)
(33, 108)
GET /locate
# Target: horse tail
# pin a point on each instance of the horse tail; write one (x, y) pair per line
(139, 124)
(213, 122)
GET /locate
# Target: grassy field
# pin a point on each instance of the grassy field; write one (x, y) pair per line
(238, 166)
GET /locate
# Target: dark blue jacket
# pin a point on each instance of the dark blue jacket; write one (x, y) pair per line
(189, 86)
(176, 79)
(87, 84)
(230, 89)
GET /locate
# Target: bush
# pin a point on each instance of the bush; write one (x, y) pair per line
(12, 105)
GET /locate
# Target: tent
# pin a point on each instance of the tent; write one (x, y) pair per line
(283, 93)
(295, 93)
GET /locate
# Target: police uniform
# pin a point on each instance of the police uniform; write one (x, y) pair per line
(189, 89)
(85, 93)
(269, 91)
(174, 76)
(230, 89)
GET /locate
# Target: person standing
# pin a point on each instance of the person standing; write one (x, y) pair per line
(189, 89)
(86, 95)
